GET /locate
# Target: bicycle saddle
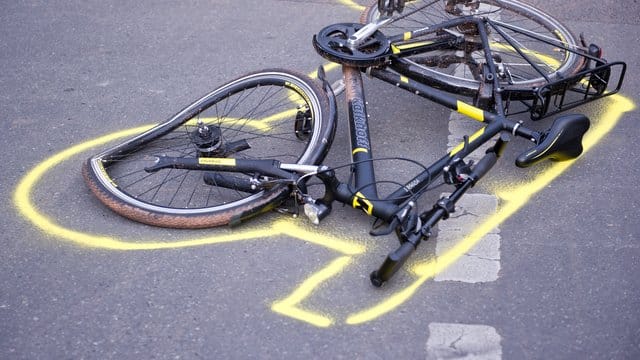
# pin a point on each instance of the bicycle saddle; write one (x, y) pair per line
(563, 141)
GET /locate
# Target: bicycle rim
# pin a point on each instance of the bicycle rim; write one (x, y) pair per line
(458, 69)
(274, 114)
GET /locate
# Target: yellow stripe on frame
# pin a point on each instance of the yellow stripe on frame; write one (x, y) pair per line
(412, 45)
(470, 111)
(217, 161)
(357, 150)
(359, 202)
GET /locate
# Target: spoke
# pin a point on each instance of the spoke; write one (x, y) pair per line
(263, 113)
(184, 177)
(193, 192)
(159, 185)
(251, 111)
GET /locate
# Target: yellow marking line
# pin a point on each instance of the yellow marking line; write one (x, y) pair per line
(263, 124)
(513, 200)
(352, 4)
(546, 59)
(289, 305)
(327, 67)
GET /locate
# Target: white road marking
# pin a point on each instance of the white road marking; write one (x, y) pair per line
(482, 262)
(463, 341)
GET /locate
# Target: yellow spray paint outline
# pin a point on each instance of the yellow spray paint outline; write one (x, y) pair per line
(351, 4)
(348, 249)
(287, 306)
(263, 124)
(515, 199)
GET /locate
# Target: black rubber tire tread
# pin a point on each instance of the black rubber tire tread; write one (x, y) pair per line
(231, 215)
(439, 80)
(262, 204)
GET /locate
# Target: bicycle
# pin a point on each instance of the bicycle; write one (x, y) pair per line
(254, 143)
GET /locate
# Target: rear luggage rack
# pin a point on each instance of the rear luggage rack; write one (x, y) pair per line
(583, 87)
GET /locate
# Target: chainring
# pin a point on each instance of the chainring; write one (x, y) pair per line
(332, 44)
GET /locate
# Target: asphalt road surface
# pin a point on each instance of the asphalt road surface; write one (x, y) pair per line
(553, 276)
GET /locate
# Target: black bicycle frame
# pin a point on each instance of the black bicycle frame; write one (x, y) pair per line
(364, 195)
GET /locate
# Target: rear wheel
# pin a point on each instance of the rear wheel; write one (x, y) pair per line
(460, 69)
(272, 114)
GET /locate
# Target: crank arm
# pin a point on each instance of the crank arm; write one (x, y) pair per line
(365, 32)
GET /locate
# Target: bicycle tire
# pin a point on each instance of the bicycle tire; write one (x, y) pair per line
(275, 113)
(561, 63)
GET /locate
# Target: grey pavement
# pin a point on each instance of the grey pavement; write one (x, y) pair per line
(78, 281)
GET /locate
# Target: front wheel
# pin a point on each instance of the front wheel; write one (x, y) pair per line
(271, 114)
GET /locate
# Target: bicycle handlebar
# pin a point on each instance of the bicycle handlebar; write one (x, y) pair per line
(392, 263)
(483, 166)
(441, 210)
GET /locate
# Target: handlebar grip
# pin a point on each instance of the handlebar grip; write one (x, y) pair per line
(483, 166)
(392, 263)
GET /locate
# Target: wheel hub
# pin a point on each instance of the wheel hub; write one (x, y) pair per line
(207, 139)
